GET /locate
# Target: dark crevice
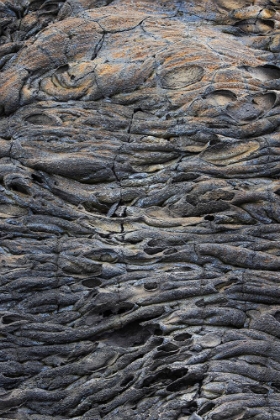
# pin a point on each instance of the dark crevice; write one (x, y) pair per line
(37, 178)
(164, 375)
(16, 187)
(209, 217)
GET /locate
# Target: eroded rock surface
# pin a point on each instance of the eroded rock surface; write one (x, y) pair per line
(140, 209)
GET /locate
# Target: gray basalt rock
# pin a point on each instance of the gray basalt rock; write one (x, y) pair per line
(139, 210)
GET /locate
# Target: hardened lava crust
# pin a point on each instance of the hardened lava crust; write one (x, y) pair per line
(140, 210)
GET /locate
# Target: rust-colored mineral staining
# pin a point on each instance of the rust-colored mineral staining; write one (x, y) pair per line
(140, 210)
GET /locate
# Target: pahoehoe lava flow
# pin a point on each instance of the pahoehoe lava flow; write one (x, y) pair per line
(140, 209)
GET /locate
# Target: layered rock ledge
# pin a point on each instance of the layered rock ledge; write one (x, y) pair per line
(140, 210)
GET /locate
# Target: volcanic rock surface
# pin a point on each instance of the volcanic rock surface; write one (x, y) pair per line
(140, 209)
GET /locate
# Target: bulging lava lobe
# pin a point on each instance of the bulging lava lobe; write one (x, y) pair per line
(139, 209)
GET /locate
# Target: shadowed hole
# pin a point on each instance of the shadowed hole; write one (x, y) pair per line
(9, 319)
(19, 188)
(185, 268)
(209, 217)
(257, 389)
(131, 335)
(191, 407)
(125, 307)
(213, 142)
(51, 8)
(150, 286)
(91, 283)
(165, 374)
(153, 251)
(269, 23)
(277, 316)
(255, 26)
(158, 332)
(12, 375)
(42, 6)
(276, 385)
(181, 384)
(107, 313)
(182, 337)
(168, 348)
(62, 69)
(189, 380)
(205, 408)
(37, 178)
